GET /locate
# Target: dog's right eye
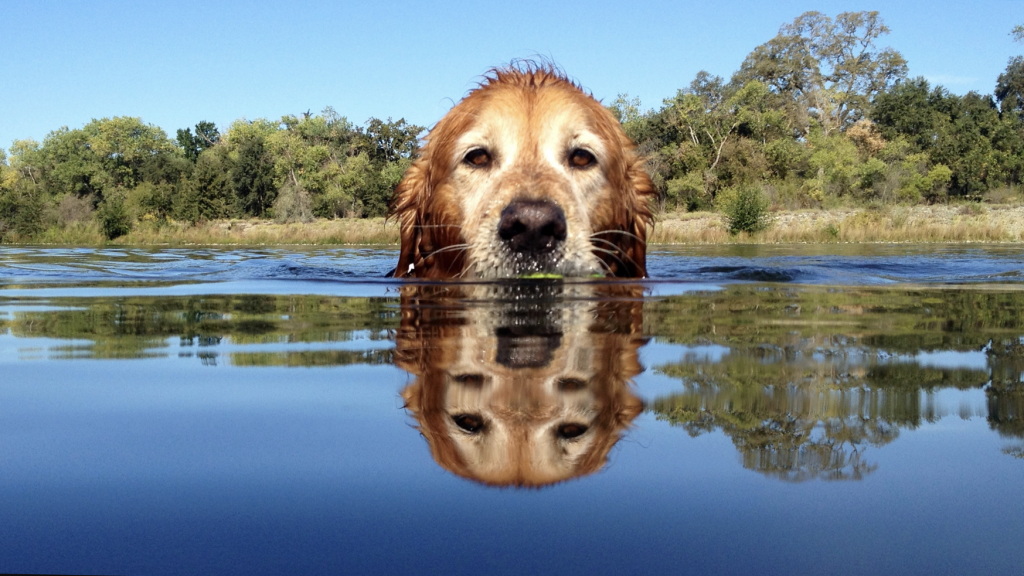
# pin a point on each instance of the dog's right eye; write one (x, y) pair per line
(568, 431)
(473, 380)
(478, 158)
(471, 423)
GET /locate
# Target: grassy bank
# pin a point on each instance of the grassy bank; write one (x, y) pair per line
(924, 224)
(945, 223)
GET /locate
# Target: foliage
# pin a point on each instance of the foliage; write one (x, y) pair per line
(747, 211)
(1009, 90)
(192, 145)
(824, 69)
(292, 205)
(115, 219)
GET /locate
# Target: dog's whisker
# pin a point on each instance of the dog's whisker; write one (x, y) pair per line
(453, 247)
(610, 253)
(617, 249)
(460, 248)
(623, 232)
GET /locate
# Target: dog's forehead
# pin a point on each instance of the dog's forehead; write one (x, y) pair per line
(537, 113)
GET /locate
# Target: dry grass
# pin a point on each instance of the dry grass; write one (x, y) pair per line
(947, 223)
(950, 223)
(255, 232)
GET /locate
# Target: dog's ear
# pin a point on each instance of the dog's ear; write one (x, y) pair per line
(410, 195)
(641, 195)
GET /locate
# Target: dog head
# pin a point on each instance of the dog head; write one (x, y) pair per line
(528, 174)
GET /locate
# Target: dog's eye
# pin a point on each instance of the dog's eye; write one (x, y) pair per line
(471, 423)
(478, 158)
(568, 431)
(570, 384)
(474, 380)
(580, 158)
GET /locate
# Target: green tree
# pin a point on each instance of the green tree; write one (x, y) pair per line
(824, 69)
(192, 145)
(1009, 90)
(208, 193)
(252, 166)
(390, 141)
(123, 144)
(114, 216)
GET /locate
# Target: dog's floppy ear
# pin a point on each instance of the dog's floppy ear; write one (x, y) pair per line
(410, 195)
(640, 194)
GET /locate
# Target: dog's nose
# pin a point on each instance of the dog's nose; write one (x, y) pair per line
(532, 226)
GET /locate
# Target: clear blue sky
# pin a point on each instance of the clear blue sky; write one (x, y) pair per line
(176, 63)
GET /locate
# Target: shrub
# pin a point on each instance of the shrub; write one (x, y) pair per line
(21, 214)
(73, 209)
(687, 192)
(292, 205)
(747, 210)
(114, 217)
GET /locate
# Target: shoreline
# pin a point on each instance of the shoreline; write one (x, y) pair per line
(962, 223)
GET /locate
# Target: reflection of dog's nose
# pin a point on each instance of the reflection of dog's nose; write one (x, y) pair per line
(532, 226)
(526, 347)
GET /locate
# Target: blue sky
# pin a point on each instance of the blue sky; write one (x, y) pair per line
(176, 63)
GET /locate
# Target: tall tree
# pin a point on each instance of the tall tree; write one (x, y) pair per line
(826, 69)
(1010, 87)
(192, 145)
(391, 140)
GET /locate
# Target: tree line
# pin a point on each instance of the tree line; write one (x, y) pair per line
(119, 171)
(818, 116)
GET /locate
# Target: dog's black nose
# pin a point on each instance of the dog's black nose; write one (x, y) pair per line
(532, 226)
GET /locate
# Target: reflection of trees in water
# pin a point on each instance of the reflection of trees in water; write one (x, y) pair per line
(1005, 393)
(140, 327)
(795, 412)
(790, 432)
(816, 375)
(900, 321)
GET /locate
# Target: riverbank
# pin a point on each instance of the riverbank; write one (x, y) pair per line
(922, 224)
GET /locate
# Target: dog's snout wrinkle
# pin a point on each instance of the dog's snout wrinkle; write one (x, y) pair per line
(532, 226)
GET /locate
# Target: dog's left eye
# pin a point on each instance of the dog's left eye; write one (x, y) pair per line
(580, 158)
(471, 423)
(570, 384)
(478, 158)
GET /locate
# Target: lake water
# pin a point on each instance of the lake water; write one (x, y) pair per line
(749, 410)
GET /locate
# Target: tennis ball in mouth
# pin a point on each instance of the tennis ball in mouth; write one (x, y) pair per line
(541, 276)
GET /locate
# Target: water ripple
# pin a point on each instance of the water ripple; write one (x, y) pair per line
(805, 264)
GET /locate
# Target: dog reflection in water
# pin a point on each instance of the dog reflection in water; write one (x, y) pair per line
(521, 384)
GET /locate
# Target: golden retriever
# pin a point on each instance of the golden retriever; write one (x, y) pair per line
(528, 175)
(527, 385)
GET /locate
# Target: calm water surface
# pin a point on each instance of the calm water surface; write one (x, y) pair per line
(750, 410)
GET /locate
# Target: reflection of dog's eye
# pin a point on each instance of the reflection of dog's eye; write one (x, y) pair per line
(478, 158)
(580, 158)
(569, 431)
(471, 423)
(475, 380)
(570, 384)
